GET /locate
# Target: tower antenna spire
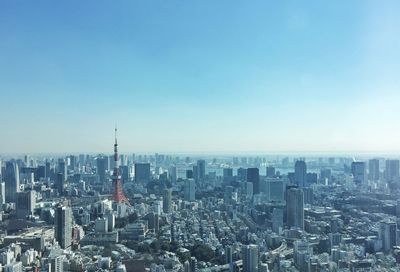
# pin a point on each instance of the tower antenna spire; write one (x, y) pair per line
(115, 133)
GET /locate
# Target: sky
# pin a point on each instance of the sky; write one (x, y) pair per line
(200, 76)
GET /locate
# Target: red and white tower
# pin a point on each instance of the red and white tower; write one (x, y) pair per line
(118, 194)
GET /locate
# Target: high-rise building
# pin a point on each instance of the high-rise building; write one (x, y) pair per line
(102, 168)
(295, 208)
(72, 162)
(253, 176)
(300, 173)
(392, 170)
(26, 202)
(48, 169)
(249, 190)
(242, 174)
(228, 174)
(142, 172)
(190, 190)
(189, 174)
(275, 189)
(63, 225)
(270, 172)
(388, 235)
(301, 254)
(2, 193)
(373, 165)
(172, 173)
(201, 169)
(11, 179)
(358, 170)
(326, 176)
(228, 195)
(59, 184)
(124, 169)
(62, 168)
(167, 201)
(250, 258)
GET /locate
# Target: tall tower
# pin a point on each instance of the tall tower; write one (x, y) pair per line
(118, 194)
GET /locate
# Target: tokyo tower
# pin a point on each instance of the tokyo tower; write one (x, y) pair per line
(118, 194)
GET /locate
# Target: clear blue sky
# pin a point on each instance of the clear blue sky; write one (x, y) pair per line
(200, 76)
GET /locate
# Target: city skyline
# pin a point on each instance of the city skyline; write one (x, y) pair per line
(223, 77)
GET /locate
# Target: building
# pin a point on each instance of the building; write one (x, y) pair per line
(167, 201)
(63, 226)
(358, 170)
(300, 173)
(26, 202)
(190, 190)
(59, 184)
(373, 165)
(253, 176)
(388, 235)
(201, 169)
(102, 168)
(392, 170)
(250, 258)
(248, 189)
(189, 174)
(172, 173)
(275, 189)
(124, 170)
(2, 192)
(228, 174)
(62, 168)
(142, 172)
(270, 172)
(242, 174)
(11, 179)
(295, 208)
(101, 225)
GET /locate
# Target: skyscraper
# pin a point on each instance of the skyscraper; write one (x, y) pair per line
(358, 170)
(124, 170)
(270, 172)
(250, 258)
(26, 202)
(63, 225)
(373, 165)
(167, 201)
(388, 235)
(2, 193)
(11, 179)
(172, 173)
(300, 173)
(392, 170)
(295, 208)
(142, 172)
(253, 176)
(62, 168)
(227, 174)
(201, 169)
(59, 184)
(242, 174)
(190, 190)
(102, 167)
(48, 169)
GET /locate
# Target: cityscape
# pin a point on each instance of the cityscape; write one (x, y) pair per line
(162, 212)
(199, 136)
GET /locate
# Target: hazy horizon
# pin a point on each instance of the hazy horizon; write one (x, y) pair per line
(209, 76)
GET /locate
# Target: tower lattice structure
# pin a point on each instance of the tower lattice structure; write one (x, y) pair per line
(118, 194)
